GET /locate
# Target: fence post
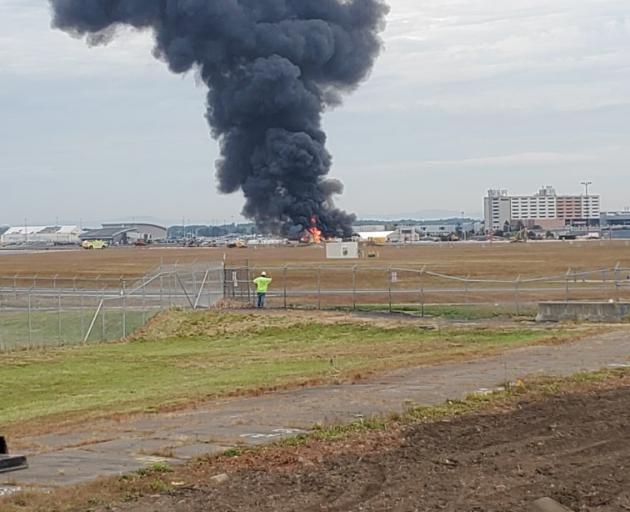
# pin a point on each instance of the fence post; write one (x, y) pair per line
(201, 288)
(422, 291)
(354, 288)
(59, 318)
(466, 285)
(170, 290)
(103, 317)
(284, 280)
(30, 323)
(319, 287)
(389, 287)
(517, 285)
(161, 289)
(124, 308)
(144, 303)
(175, 278)
(567, 284)
(618, 281)
(250, 296)
(82, 313)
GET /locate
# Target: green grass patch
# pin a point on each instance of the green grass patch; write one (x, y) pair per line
(451, 312)
(185, 357)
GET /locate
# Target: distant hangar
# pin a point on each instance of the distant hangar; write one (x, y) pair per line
(126, 233)
(52, 235)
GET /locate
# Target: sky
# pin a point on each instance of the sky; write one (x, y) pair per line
(468, 95)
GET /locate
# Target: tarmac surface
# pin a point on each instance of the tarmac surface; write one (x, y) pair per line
(109, 448)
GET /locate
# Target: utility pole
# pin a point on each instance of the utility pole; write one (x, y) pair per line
(586, 185)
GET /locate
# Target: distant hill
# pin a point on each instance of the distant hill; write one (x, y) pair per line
(421, 215)
(408, 221)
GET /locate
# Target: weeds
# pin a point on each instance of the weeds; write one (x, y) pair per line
(155, 468)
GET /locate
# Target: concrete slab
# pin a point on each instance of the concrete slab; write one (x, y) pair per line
(68, 467)
(583, 311)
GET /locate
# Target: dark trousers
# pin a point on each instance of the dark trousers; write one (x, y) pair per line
(260, 300)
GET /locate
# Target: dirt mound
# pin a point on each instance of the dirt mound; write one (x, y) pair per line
(574, 448)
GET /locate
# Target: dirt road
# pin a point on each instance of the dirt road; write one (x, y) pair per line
(575, 449)
(112, 447)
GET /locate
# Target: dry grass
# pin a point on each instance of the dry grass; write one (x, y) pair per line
(475, 260)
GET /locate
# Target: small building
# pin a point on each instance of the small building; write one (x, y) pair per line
(141, 231)
(405, 235)
(113, 235)
(342, 250)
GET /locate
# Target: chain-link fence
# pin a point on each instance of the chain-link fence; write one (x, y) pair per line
(56, 311)
(394, 288)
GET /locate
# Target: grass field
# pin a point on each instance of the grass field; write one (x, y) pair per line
(311, 280)
(462, 259)
(183, 357)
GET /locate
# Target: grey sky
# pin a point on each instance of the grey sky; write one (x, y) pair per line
(469, 95)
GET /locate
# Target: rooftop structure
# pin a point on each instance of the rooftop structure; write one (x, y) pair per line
(141, 230)
(111, 235)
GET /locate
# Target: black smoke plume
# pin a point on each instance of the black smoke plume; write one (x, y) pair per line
(272, 67)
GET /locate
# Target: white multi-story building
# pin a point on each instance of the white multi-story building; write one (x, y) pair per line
(541, 206)
(546, 209)
(497, 209)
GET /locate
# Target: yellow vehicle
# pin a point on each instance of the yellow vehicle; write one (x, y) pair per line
(520, 236)
(95, 244)
(237, 244)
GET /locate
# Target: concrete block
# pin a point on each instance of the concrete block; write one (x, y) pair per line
(583, 311)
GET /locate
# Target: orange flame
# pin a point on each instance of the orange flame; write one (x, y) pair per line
(313, 235)
(316, 235)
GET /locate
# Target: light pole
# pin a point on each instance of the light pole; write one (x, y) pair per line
(586, 185)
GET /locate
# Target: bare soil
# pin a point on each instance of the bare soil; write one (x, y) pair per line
(574, 448)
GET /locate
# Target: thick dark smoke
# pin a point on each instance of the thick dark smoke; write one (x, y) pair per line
(272, 67)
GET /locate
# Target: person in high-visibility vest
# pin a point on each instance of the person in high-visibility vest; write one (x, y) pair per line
(262, 283)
